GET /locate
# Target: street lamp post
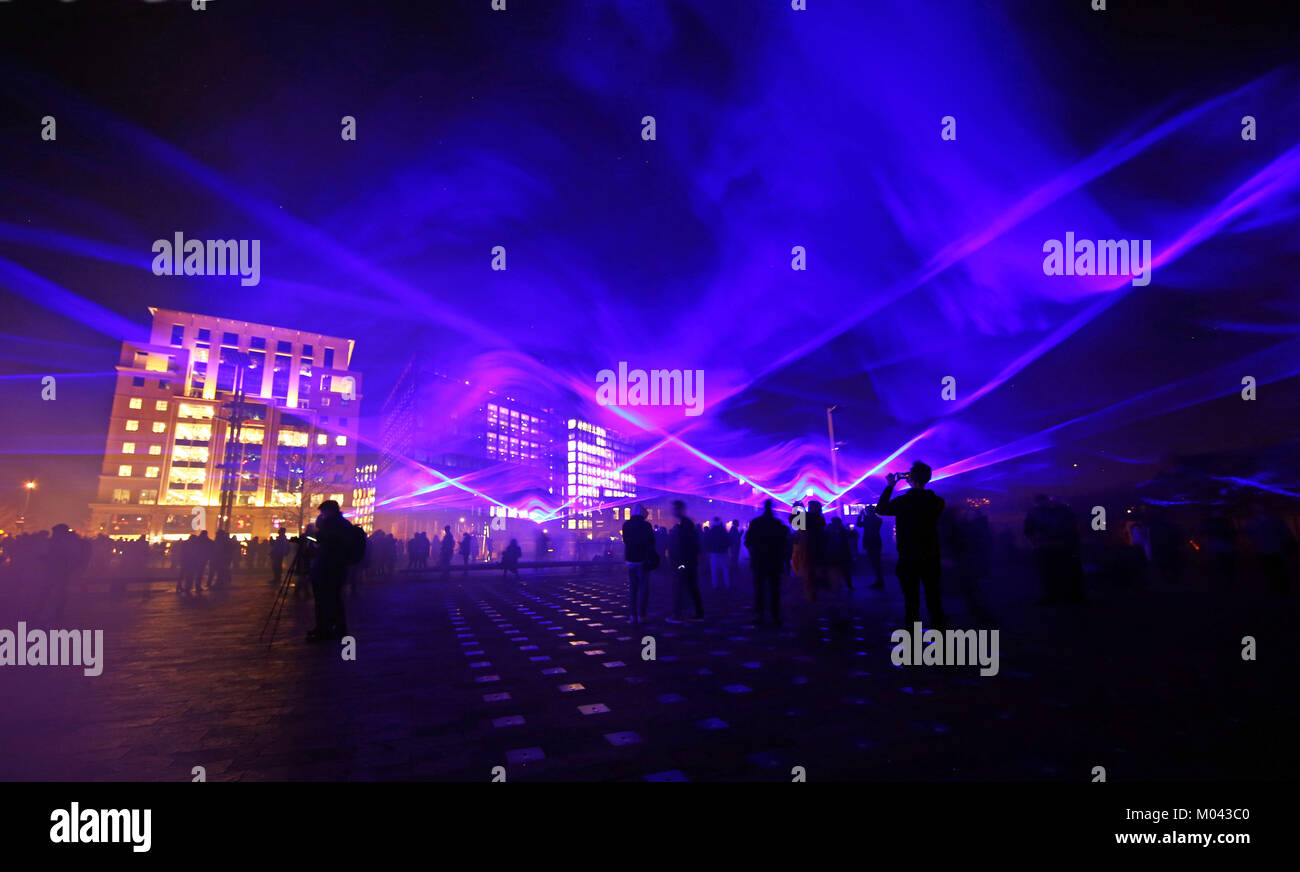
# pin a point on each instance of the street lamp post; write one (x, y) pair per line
(835, 467)
(28, 486)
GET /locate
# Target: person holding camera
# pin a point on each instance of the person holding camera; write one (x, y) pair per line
(916, 528)
(338, 545)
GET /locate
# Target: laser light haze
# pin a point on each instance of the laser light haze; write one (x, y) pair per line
(775, 129)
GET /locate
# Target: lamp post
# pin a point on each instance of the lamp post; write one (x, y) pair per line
(835, 467)
(28, 487)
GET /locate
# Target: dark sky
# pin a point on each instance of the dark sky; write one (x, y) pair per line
(775, 128)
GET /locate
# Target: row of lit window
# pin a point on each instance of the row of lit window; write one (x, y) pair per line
(593, 480)
(146, 497)
(583, 469)
(587, 448)
(494, 409)
(129, 448)
(581, 490)
(575, 424)
(124, 471)
(255, 343)
(158, 426)
(138, 403)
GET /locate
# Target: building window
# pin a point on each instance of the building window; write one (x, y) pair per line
(124, 471)
(155, 449)
(283, 347)
(138, 382)
(147, 498)
(121, 495)
(128, 448)
(194, 432)
(159, 427)
(136, 403)
(133, 425)
(160, 406)
(178, 334)
(322, 439)
(151, 472)
(340, 440)
(258, 342)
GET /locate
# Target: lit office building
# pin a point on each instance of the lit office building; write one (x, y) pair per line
(597, 490)
(215, 411)
(497, 443)
(363, 491)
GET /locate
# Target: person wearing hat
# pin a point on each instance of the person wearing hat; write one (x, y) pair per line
(329, 570)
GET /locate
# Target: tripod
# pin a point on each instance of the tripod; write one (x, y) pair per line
(293, 573)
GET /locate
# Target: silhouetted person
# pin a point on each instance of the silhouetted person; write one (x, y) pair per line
(916, 527)
(202, 556)
(869, 522)
(224, 548)
(446, 550)
(734, 539)
(809, 558)
(510, 558)
(1272, 543)
(766, 540)
(422, 548)
(684, 557)
(973, 542)
(62, 559)
(390, 554)
(279, 551)
(541, 548)
(335, 551)
(1221, 549)
(1051, 529)
(839, 554)
(661, 542)
(638, 552)
(717, 544)
(466, 547)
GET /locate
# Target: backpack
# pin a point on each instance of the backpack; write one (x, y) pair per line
(355, 540)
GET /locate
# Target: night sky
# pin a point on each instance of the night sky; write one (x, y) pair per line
(775, 128)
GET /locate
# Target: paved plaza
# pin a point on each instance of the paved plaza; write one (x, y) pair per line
(545, 677)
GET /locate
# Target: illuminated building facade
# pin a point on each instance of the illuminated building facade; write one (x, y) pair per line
(499, 441)
(181, 430)
(597, 490)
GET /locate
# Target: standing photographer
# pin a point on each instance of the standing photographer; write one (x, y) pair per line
(917, 529)
(338, 546)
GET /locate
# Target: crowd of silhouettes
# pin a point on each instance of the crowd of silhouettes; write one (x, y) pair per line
(1151, 543)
